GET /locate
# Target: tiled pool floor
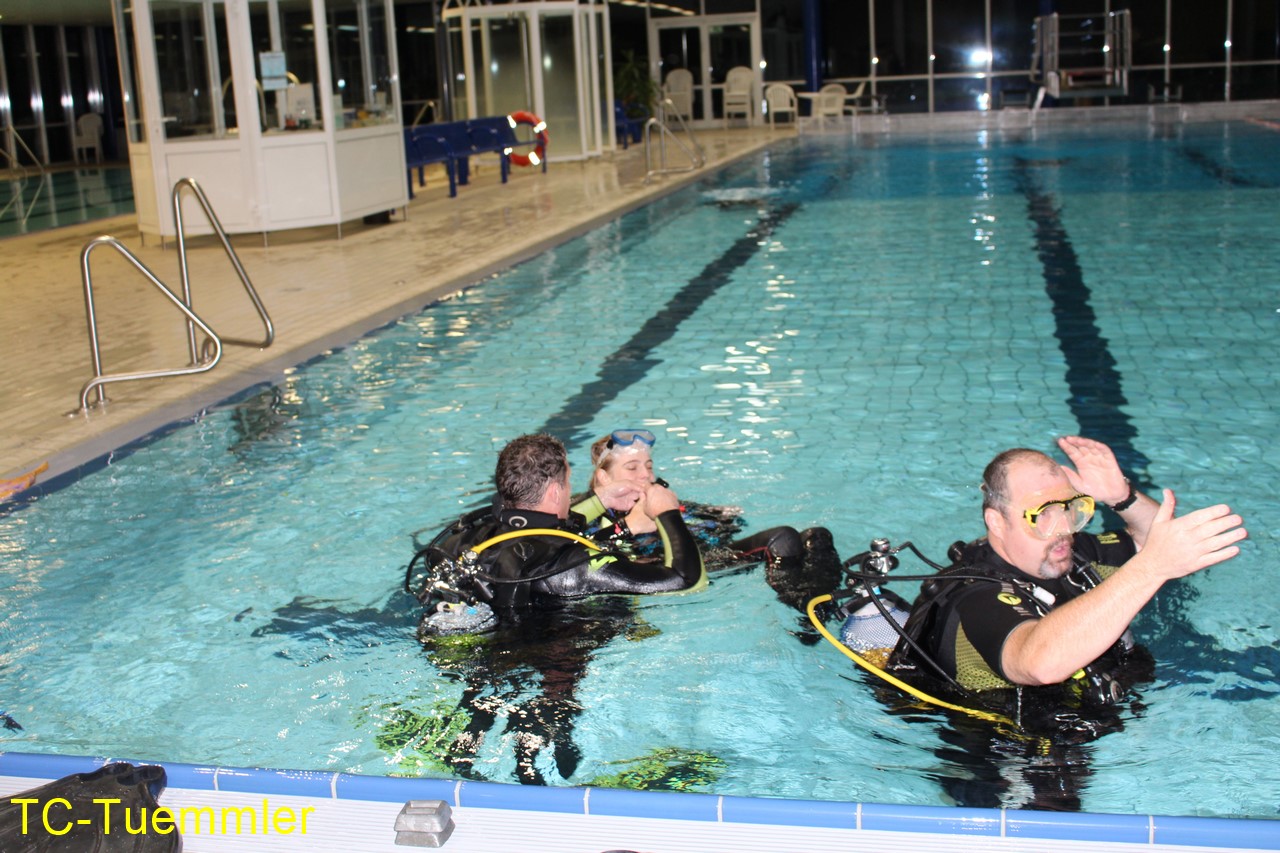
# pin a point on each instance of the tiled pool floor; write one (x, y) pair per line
(321, 291)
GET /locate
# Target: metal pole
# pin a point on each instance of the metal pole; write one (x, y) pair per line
(813, 46)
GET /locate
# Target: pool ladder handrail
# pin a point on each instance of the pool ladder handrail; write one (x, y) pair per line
(204, 358)
(697, 157)
(15, 164)
(191, 185)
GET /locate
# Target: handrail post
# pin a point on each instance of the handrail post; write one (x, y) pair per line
(99, 378)
(697, 157)
(190, 184)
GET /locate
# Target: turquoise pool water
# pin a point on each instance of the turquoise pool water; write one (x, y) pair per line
(824, 334)
(37, 202)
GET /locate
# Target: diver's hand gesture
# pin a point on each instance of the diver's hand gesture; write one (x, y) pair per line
(620, 496)
(1179, 546)
(659, 499)
(1096, 472)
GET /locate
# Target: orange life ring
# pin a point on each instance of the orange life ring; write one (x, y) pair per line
(539, 152)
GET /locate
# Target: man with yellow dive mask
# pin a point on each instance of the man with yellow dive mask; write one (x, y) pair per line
(1064, 599)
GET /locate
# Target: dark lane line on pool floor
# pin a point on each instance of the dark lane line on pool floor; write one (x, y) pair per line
(1223, 173)
(1170, 633)
(629, 363)
(1096, 394)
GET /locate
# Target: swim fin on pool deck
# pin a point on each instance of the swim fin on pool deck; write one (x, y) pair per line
(62, 815)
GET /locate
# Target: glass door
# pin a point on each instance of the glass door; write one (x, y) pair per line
(540, 58)
(680, 48)
(707, 46)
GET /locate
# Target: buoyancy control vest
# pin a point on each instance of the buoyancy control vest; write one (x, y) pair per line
(934, 618)
(504, 573)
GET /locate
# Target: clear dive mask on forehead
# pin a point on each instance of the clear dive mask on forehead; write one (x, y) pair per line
(622, 440)
(1060, 517)
(628, 437)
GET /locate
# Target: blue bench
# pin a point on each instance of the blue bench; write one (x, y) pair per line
(424, 146)
(628, 129)
(453, 143)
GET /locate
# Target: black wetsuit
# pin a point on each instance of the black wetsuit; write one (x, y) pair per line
(963, 624)
(548, 570)
(546, 592)
(798, 564)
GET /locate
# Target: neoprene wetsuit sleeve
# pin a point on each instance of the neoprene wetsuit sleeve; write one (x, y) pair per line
(680, 551)
(590, 507)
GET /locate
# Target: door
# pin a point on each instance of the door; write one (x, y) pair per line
(536, 58)
(708, 46)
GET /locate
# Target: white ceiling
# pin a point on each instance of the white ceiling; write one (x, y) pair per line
(71, 12)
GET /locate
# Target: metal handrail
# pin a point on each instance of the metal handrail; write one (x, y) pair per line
(190, 184)
(100, 379)
(16, 164)
(697, 157)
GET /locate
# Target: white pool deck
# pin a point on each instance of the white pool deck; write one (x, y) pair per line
(323, 292)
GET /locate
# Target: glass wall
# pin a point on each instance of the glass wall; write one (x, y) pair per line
(50, 78)
(285, 57)
(360, 53)
(922, 55)
(194, 92)
(918, 55)
(561, 87)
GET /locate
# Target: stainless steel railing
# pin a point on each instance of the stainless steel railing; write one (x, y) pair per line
(203, 357)
(697, 157)
(190, 185)
(99, 378)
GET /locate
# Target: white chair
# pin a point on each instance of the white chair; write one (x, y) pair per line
(678, 89)
(859, 96)
(88, 135)
(780, 98)
(737, 93)
(830, 101)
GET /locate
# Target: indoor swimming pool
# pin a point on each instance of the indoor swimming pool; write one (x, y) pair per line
(828, 333)
(36, 201)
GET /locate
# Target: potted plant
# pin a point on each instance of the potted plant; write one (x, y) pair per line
(633, 88)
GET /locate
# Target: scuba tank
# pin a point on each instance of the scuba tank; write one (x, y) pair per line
(447, 579)
(482, 565)
(875, 616)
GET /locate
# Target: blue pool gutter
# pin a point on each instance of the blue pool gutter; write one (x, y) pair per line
(477, 802)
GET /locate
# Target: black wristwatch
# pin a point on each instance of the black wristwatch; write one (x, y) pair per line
(1129, 499)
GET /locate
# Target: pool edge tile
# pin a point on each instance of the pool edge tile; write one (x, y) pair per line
(947, 820)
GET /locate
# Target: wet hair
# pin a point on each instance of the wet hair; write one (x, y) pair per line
(995, 478)
(526, 467)
(598, 447)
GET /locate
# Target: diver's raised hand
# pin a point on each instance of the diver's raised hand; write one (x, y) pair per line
(1181, 545)
(1096, 472)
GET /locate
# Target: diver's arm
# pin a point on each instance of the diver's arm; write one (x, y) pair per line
(589, 573)
(680, 551)
(1098, 474)
(619, 497)
(1051, 649)
(590, 507)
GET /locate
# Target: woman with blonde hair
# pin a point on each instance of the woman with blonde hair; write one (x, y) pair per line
(798, 565)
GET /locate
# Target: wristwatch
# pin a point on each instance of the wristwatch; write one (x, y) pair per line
(1129, 499)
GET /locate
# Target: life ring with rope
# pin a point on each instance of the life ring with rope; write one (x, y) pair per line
(539, 152)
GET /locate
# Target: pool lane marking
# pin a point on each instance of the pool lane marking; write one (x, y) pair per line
(629, 363)
(1222, 172)
(1096, 393)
